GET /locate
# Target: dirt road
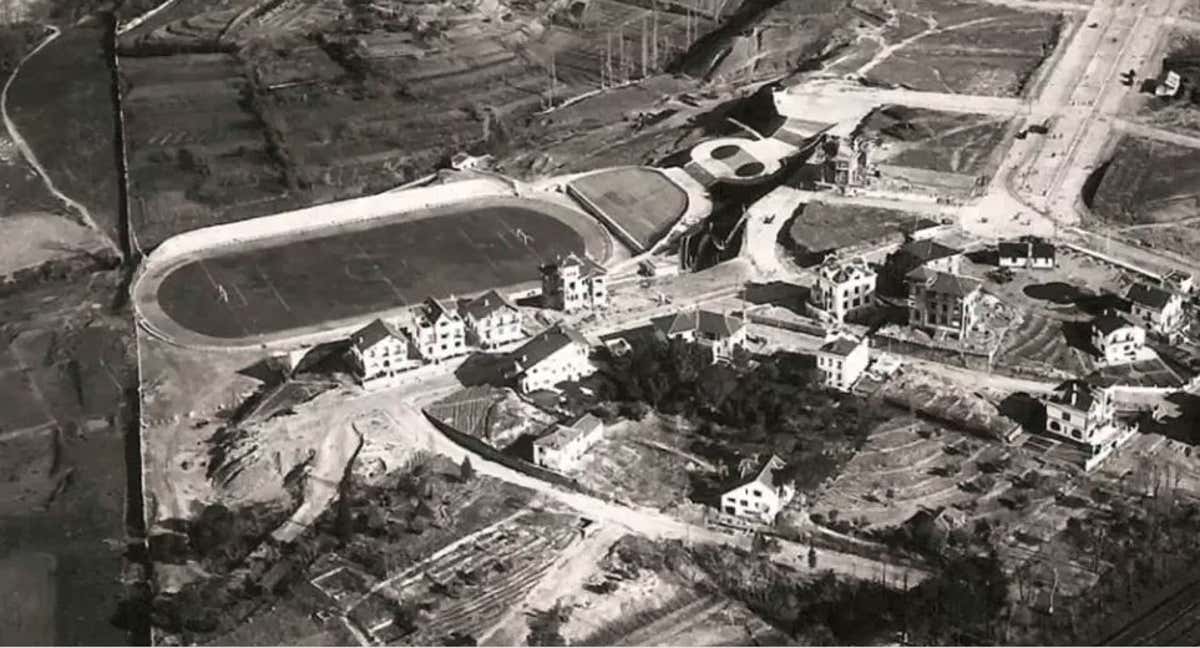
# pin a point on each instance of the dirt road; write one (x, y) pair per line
(1159, 134)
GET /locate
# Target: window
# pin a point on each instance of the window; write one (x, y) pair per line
(1055, 426)
(757, 493)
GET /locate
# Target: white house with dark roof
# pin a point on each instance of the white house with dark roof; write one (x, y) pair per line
(720, 333)
(942, 301)
(1156, 309)
(563, 447)
(842, 287)
(1085, 413)
(1118, 340)
(759, 495)
(492, 320)
(574, 283)
(379, 352)
(842, 361)
(1026, 253)
(558, 354)
(437, 331)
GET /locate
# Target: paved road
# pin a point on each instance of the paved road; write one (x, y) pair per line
(1160, 134)
(31, 158)
(851, 98)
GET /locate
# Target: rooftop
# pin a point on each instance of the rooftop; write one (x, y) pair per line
(562, 435)
(841, 346)
(1109, 322)
(1078, 394)
(1148, 296)
(840, 272)
(766, 474)
(545, 344)
(486, 304)
(944, 282)
(371, 334)
(719, 325)
(587, 267)
(926, 250)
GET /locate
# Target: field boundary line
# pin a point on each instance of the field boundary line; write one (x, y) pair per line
(27, 150)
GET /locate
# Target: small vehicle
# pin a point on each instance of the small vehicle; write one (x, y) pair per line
(1093, 25)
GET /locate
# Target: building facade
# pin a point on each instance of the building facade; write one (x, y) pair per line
(1117, 339)
(942, 301)
(492, 320)
(379, 353)
(1154, 308)
(565, 445)
(720, 334)
(1085, 414)
(759, 495)
(558, 354)
(1027, 253)
(842, 361)
(574, 283)
(437, 331)
(842, 287)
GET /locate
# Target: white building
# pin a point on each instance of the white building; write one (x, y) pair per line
(437, 331)
(842, 361)
(842, 287)
(1117, 339)
(1180, 282)
(759, 495)
(574, 283)
(379, 352)
(943, 301)
(1156, 309)
(721, 334)
(556, 355)
(1085, 414)
(565, 445)
(492, 320)
(1027, 253)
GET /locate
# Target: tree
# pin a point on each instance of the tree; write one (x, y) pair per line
(405, 618)
(466, 471)
(812, 557)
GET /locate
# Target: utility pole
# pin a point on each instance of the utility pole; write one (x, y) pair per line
(607, 60)
(654, 19)
(621, 54)
(644, 47)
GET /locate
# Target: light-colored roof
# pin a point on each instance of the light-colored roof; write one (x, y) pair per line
(562, 435)
(587, 267)
(840, 272)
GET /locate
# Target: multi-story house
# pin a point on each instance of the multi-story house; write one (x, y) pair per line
(759, 495)
(1117, 339)
(913, 254)
(556, 355)
(1181, 282)
(563, 447)
(492, 320)
(942, 301)
(1156, 309)
(842, 361)
(719, 333)
(379, 352)
(842, 287)
(1085, 413)
(574, 283)
(437, 331)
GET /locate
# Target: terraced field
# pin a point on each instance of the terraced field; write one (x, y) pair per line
(1039, 343)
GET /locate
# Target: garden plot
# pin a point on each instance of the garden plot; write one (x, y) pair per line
(469, 588)
(1045, 346)
(941, 398)
(645, 462)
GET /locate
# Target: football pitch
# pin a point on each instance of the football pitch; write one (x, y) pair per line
(449, 251)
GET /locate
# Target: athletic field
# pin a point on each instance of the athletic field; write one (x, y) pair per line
(455, 250)
(642, 201)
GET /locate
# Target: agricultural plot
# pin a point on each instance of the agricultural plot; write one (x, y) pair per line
(994, 55)
(947, 142)
(27, 606)
(23, 408)
(453, 250)
(1046, 346)
(1148, 373)
(1146, 182)
(644, 462)
(61, 102)
(641, 201)
(469, 588)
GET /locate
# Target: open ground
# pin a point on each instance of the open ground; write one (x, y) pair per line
(642, 201)
(337, 275)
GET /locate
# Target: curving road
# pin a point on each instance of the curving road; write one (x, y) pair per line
(27, 151)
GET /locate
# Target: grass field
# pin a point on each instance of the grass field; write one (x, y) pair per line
(820, 226)
(995, 57)
(642, 201)
(927, 139)
(1148, 182)
(455, 250)
(28, 600)
(62, 104)
(22, 408)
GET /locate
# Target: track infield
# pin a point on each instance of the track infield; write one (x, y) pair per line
(453, 250)
(642, 201)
